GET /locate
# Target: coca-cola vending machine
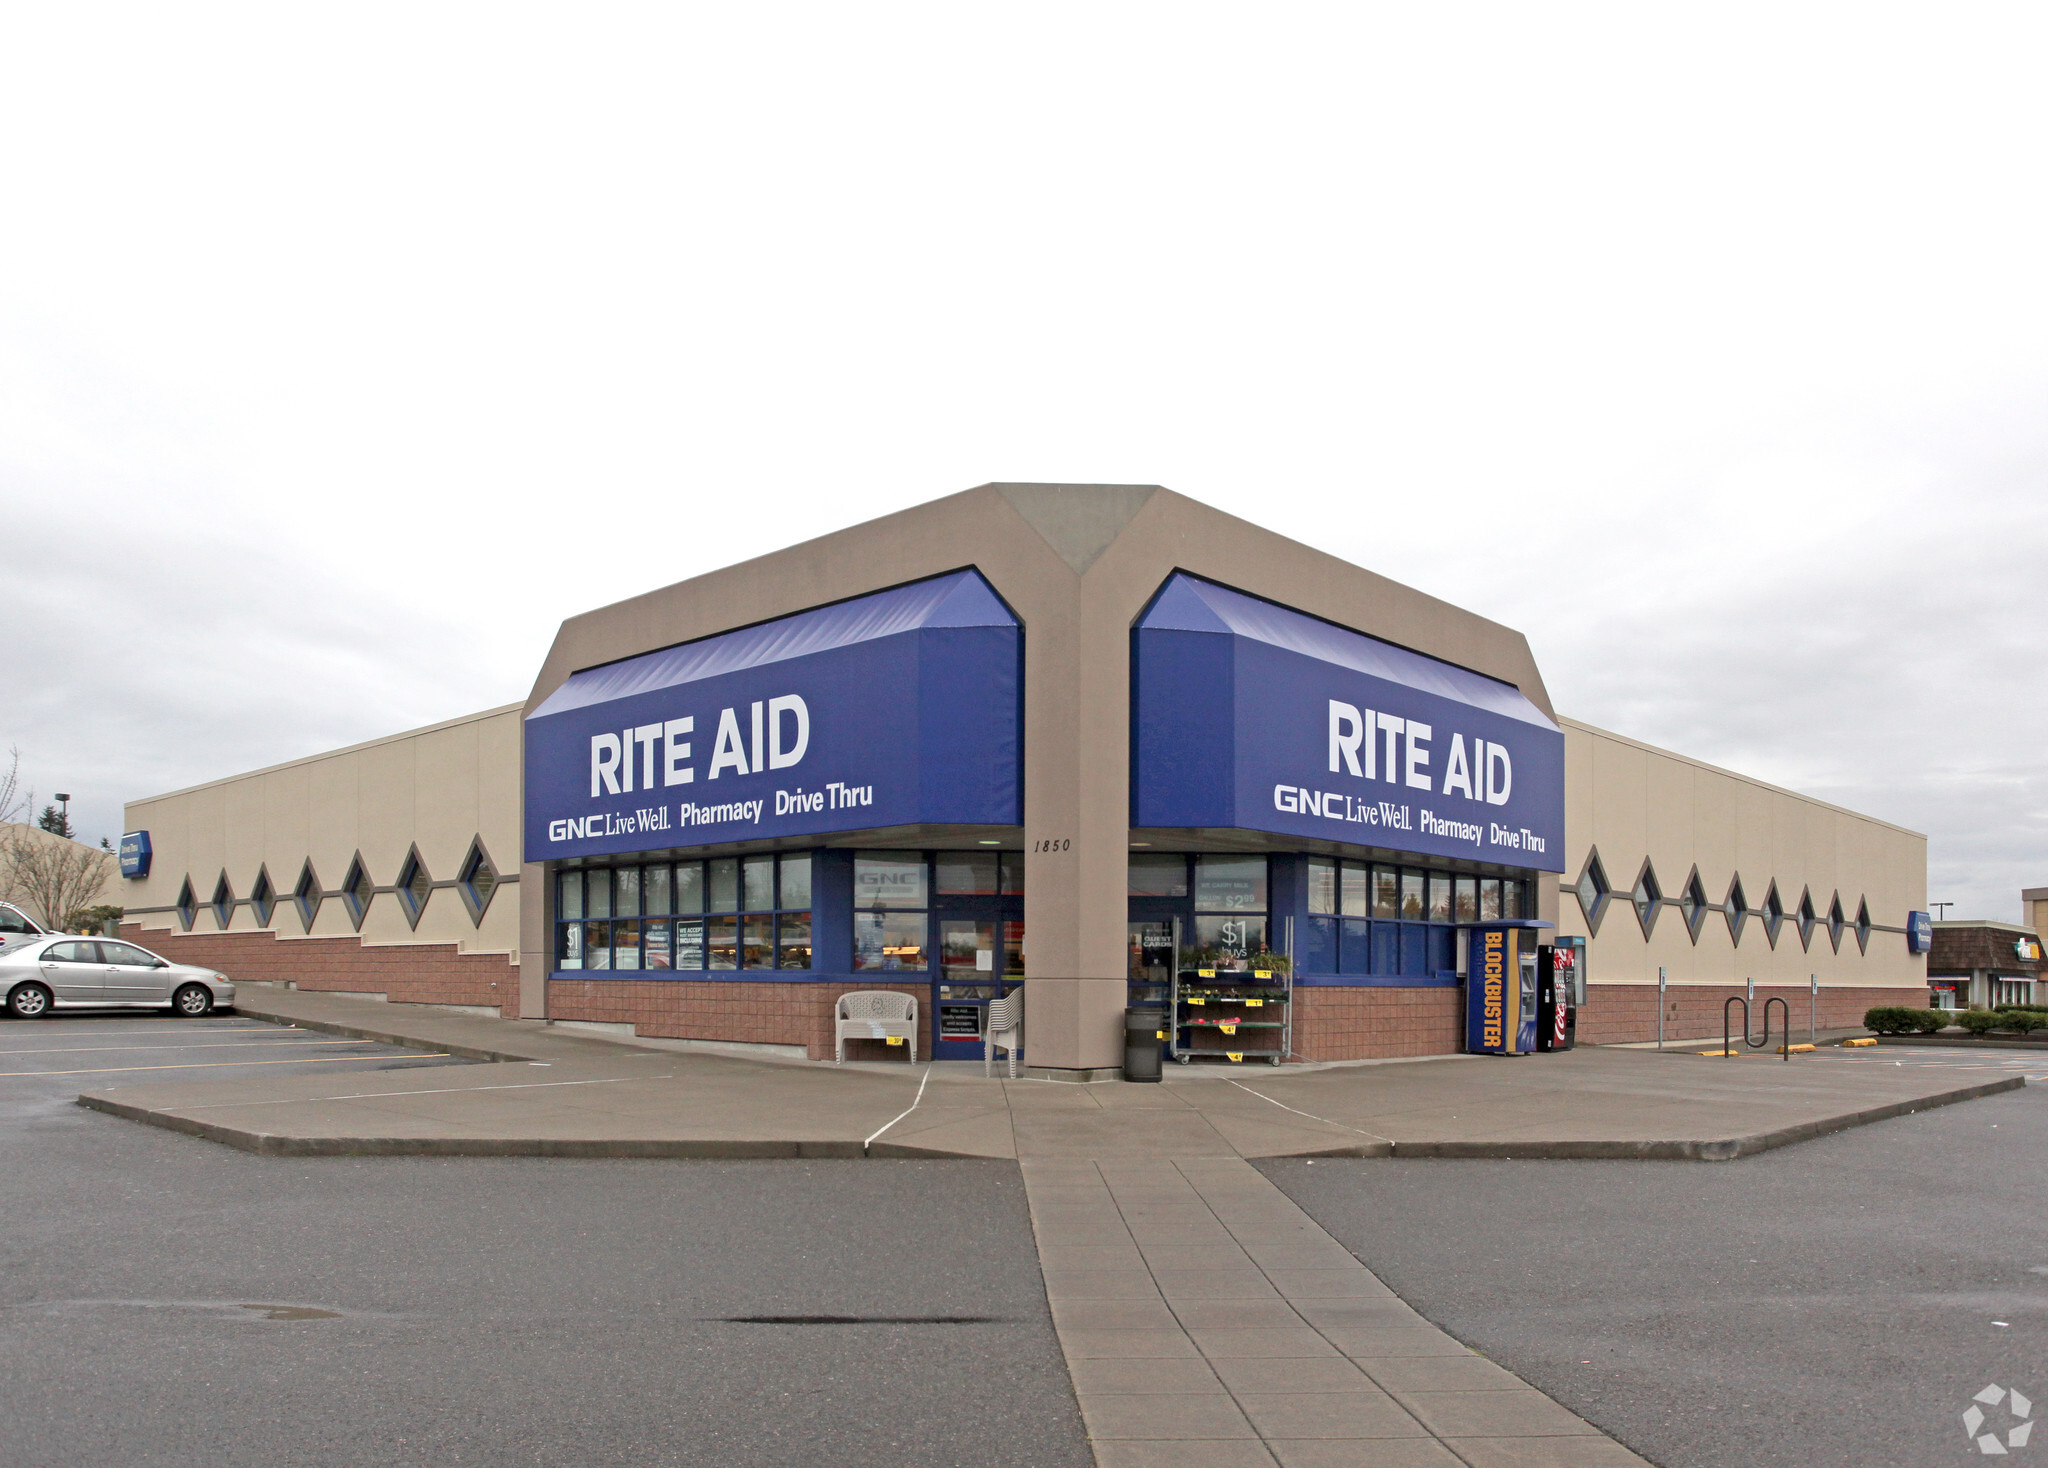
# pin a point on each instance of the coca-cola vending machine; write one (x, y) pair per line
(1560, 990)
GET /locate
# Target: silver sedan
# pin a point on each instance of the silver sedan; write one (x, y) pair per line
(43, 972)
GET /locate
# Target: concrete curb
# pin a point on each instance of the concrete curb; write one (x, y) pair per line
(1965, 1042)
(1722, 1150)
(269, 1144)
(382, 1037)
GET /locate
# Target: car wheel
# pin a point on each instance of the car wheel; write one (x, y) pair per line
(28, 1001)
(193, 1000)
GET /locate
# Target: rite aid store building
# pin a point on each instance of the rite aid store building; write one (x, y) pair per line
(1031, 735)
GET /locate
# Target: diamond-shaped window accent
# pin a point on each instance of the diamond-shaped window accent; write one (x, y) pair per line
(1773, 913)
(356, 891)
(1807, 917)
(263, 897)
(1647, 898)
(223, 903)
(1593, 891)
(188, 906)
(1863, 925)
(1836, 922)
(477, 881)
(306, 895)
(415, 886)
(1693, 905)
(1735, 908)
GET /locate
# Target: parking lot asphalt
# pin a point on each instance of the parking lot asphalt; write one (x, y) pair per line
(1839, 1302)
(165, 1301)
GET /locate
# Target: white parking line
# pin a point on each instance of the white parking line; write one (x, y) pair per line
(6, 1075)
(208, 1045)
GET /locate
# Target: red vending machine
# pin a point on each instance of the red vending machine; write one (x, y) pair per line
(1560, 989)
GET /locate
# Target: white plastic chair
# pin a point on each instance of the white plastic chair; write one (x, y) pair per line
(1002, 1024)
(874, 1014)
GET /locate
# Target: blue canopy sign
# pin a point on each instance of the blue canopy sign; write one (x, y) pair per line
(899, 708)
(1256, 716)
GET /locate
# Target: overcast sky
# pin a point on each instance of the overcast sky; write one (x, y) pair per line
(345, 350)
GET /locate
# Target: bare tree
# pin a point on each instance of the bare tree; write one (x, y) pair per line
(52, 876)
(14, 801)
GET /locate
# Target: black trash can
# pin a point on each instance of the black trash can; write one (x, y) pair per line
(1141, 1043)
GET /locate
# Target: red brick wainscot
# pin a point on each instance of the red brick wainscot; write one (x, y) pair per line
(405, 973)
(746, 1012)
(1377, 1023)
(1617, 1014)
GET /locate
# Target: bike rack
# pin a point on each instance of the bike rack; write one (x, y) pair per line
(1785, 1025)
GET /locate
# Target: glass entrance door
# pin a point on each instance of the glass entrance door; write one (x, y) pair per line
(980, 959)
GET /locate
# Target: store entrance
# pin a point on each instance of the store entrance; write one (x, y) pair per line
(981, 958)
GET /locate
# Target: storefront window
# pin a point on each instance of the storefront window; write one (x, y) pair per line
(1465, 899)
(796, 885)
(1439, 897)
(1230, 883)
(1356, 886)
(793, 936)
(758, 883)
(619, 918)
(1489, 899)
(965, 873)
(1228, 941)
(689, 881)
(889, 942)
(1152, 875)
(1386, 892)
(1412, 906)
(722, 887)
(722, 943)
(1322, 885)
(888, 879)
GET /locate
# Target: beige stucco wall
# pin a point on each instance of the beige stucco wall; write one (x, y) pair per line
(1630, 800)
(442, 786)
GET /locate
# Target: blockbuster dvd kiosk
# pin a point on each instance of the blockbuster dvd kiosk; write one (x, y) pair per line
(1501, 989)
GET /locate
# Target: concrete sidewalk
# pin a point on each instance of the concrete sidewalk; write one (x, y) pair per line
(546, 1092)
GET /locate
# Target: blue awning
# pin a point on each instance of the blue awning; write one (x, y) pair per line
(1258, 717)
(1189, 604)
(903, 707)
(959, 599)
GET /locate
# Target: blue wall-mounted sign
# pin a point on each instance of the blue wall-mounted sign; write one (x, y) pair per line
(1252, 715)
(1919, 932)
(135, 854)
(900, 708)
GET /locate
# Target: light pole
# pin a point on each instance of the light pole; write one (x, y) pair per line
(64, 816)
(1942, 916)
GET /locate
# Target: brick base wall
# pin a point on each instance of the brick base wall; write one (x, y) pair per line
(1376, 1023)
(406, 973)
(753, 1013)
(1620, 1013)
